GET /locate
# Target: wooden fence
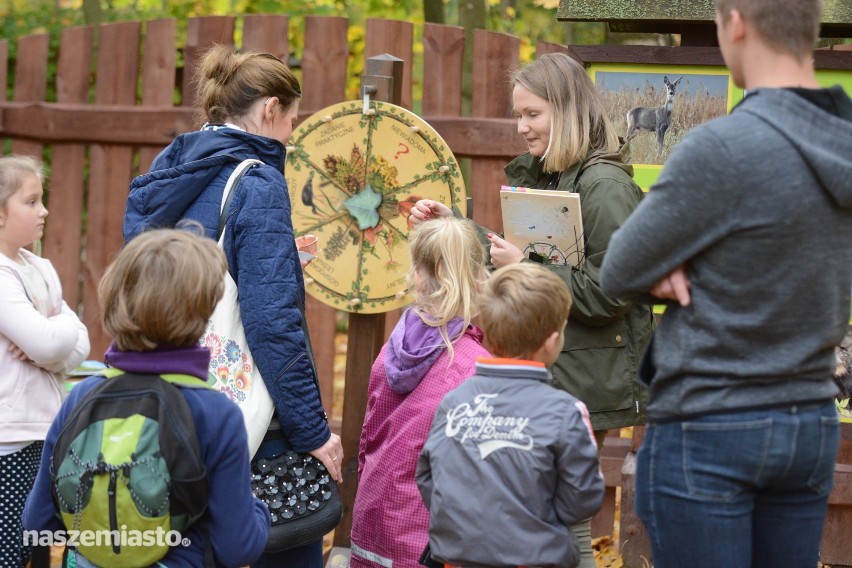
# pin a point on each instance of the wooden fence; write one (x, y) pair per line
(106, 127)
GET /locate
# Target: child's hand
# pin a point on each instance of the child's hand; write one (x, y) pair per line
(17, 353)
(308, 249)
(503, 252)
(426, 209)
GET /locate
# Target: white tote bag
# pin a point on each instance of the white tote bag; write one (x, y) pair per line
(232, 368)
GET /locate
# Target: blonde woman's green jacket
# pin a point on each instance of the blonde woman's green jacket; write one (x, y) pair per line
(605, 337)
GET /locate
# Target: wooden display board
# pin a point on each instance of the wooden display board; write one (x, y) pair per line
(354, 177)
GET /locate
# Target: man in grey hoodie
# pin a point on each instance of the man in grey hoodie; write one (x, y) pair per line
(748, 234)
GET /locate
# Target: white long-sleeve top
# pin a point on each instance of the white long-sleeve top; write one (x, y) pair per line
(54, 339)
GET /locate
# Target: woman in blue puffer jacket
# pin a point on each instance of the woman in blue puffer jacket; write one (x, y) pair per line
(250, 102)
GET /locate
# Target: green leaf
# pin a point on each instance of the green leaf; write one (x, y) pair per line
(363, 207)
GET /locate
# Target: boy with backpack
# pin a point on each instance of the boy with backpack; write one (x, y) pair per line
(145, 464)
(511, 462)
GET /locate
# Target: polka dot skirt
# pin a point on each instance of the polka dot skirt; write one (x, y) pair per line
(17, 475)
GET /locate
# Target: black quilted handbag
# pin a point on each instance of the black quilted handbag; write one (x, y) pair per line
(302, 498)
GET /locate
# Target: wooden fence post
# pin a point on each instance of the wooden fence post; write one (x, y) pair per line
(31, 82)
(324, 62)
(494, 54)
(64, 235)
(110, 168)
(382, 79)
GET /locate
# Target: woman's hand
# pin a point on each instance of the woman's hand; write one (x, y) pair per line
(674, 286)
(331, 456)
(503, 252)
(426, 209)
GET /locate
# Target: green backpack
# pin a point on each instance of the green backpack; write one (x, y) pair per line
(127, 465)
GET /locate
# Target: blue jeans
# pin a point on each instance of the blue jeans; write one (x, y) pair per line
(739, 490)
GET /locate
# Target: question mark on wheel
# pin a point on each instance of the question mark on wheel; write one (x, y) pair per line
(403, 149)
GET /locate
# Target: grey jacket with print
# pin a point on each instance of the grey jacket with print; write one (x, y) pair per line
(509, 464)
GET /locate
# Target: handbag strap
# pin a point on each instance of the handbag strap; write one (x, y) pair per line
(230, 191)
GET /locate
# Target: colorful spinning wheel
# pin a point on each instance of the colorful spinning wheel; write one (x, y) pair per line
(354, 177)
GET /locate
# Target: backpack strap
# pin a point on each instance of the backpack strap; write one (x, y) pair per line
(185, 381)
(177, 379)
(230, 191)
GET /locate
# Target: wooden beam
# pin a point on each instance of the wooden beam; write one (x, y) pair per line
(141, 125)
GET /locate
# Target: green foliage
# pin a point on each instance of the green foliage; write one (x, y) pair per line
(530, 20)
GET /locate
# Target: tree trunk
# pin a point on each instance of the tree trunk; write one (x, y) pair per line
(433, 11)
(92, 12)
(471, 17)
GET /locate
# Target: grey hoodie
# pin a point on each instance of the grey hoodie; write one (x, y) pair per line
(758, 206)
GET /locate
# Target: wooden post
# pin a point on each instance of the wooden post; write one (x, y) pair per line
(382, 80)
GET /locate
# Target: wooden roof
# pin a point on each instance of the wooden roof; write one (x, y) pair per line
(682, 16)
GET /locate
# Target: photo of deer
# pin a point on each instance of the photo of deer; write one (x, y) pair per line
(653, 111)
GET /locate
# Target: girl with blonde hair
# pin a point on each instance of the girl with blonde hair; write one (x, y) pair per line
(432, 350)
(41, 339)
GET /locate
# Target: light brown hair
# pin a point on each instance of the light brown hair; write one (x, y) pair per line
(790, 26)
(161, 289)
(450, 261)
(228, 83)
(578, 120)
(14, 169)
(520, 307)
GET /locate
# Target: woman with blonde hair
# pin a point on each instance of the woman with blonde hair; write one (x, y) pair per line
(431, 350)
(573, 147)
(250, 103)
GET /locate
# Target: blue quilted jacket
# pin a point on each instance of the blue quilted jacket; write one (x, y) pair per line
(186, 181)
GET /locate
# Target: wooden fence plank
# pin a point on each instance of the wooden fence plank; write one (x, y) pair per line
(270, 34)
(267, 33)
(201, 34)
(443, 64)
(393, 37)
(324, 62)
(494, 54)
(545, 47)
(159, 62)
(157, 126)
(110, 169)
(31, 82)
(63, 235)
(117, 124)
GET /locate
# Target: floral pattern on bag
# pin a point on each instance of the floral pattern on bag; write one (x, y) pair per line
(230, 369)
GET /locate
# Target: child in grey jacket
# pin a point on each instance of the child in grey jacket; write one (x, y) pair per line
(511, 462)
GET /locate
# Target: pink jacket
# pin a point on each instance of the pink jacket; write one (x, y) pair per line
(31, 393)
(389, 520)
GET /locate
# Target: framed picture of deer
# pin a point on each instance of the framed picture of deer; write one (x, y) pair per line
(666, 91)
(653, 107)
